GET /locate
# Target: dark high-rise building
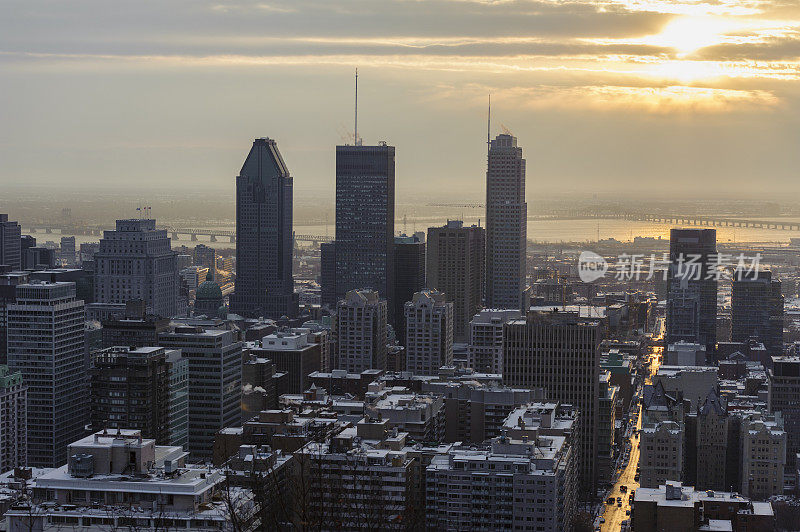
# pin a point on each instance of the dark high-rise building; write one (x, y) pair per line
(365, 219)
(757, 310)
(506, 225)
(409, 278)
(264, 284)
(327, 276)
(26, 242)
(10, 252)
(784, 397)
(559, 351)
(691, 294)
(455, 267)
(39, 258)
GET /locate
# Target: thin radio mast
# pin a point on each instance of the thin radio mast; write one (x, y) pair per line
(489, 127)
(355, 140)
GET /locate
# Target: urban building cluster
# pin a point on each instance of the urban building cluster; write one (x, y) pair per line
(455, 379)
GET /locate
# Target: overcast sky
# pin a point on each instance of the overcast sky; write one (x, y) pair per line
(626, 97)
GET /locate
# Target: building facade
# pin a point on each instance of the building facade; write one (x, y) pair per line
(360, 331)
(409, 278)
(10, 243)
(456, 266)
(264, 238)
(46, 344)
(136, 261)
(13, 420)
(486, 339)
(506, 224)
(429, 333)
(757, 310)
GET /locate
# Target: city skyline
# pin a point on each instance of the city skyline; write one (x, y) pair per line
(661, 97)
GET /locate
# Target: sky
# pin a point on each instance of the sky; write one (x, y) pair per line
(692, 98)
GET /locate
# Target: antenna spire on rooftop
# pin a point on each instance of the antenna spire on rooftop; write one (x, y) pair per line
(356, 140)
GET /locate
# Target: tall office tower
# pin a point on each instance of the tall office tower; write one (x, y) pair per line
(46, 344)
(691, 297)
(204, 256)
(38, 258)
(327, 276)
(10, 247)
(485, 347)
(365, 220)
(429, 333)
(178, 414)
(264, 283)
(409, 278)
(13, 414)
(130, 390)
(360, 331)
(136, 261)
(757, 310)
(68, 252)
(559, 351)
(506, 224)
(455, 266)
(215, 382)
(784, 397)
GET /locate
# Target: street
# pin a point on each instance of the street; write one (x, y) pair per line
(613, 514)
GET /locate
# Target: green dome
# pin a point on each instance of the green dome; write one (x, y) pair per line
(208, 290)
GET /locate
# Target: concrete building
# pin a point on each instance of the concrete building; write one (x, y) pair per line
(685, 354)
(293, 354)
(339, 382)
(13, 420)
(486, 339)
(429, 333)
(365, 220)
(409, 278)
(133, 327)
(672, 506)
(133, 388)
(692, 293)
(360, 479)
(713, 443)
(68, 251)
(264, 237)
(360, 331)
(215, 382)
(117, 479)
(10, 243)
(506, 225)
(512, 485)
(559, 351)
(475, 412)
(763, 455)
(689, 382)
(420, 415)
(46, 344)
(606, 424)
(327, 275)
(784, 397)
(136, 261)
(661, 457)
(456, 266)
(757, 310)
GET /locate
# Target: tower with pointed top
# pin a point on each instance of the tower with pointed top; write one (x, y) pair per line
(264, 284)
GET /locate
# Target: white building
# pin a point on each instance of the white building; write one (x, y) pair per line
(513, 485)
(136, 261)
(117, 480)
(13, 420)
(46, 342)
(360, 331)
(486, 339)
(429, 333)
(215, 382)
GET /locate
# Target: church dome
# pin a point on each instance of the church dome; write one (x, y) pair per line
(209, 290)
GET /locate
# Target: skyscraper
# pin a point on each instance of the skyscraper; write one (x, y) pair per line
(13, 429)
(506, 224)
(409, 278)
(757, 310)
(365, 219)
(691, 294)
(455, 266)
(264, 284)
(46, 344)
(559, 351)
(10, 250)
(429, 333)
(136, 261)
(327, 275)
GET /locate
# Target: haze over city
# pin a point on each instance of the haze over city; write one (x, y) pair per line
(677, 98)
